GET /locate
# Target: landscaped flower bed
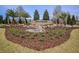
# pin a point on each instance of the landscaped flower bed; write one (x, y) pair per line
(38, 41)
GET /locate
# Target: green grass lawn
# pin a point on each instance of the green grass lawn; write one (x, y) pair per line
(72, 45)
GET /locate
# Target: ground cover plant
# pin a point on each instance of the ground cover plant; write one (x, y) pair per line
(38, 41)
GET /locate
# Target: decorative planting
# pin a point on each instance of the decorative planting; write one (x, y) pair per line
(40, 40)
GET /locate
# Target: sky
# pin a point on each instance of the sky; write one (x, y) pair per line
(72, 9)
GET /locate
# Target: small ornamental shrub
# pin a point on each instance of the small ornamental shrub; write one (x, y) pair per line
(2, 26)
(16, 32)
(41, 36)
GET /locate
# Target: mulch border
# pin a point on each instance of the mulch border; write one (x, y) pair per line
(37, 45)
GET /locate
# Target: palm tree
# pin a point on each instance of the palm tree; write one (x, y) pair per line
(11, 13)
(20, 12)
(26, 15)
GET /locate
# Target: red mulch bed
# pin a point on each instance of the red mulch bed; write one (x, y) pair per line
(35, 44)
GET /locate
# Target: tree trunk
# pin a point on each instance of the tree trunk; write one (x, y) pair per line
(8, 20)
(25, 20)
(19, 20)
(13, 21)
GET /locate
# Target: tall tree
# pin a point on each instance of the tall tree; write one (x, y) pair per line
(20, 12)
(73, 20)
(1, 19)
(6, 20)
(36, 15)
(10, 21)
(57, 13)
(26, 15)
(57, 21)
(63, 16)
(46, 15)
(11, 13)
(20, 21)
(69, 19)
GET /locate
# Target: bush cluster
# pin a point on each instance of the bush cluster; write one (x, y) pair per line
(41, 36)
(16, 32)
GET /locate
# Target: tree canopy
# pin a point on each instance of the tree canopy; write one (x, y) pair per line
(1, 19)
(11, 13)
(46, 15)
(36, 15)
